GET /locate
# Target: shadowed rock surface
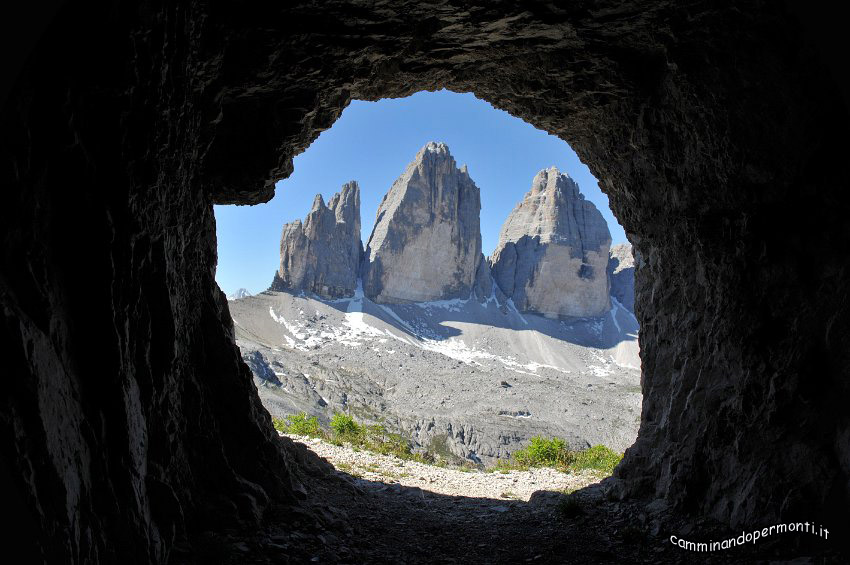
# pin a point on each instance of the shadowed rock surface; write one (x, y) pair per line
(322, 256)
(130, 429)
(426, 243)
(552, 255)
(621, 275)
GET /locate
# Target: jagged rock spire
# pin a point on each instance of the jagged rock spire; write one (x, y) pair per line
(426, 243)
(322, 255)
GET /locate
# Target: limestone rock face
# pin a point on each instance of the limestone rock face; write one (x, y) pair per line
(426, 243)
(483, 288)
(621, 274)
(552, 256)
(322, 255)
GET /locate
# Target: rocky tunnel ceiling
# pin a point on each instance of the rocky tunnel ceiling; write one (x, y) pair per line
(127, 413)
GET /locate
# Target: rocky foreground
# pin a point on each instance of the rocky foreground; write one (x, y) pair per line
(380, 518)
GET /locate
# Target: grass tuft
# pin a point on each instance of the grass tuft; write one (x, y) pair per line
(542, 452)
(597, 458)
(298, 424)
(553, 452)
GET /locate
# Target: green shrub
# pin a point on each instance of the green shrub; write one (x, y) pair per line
(597, 458)
(542, 452)
(553, 452)
(298, 424)
(346, 429)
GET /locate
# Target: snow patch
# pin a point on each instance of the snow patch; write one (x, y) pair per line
(624, 309)
(397, 318)
(601, 370)
(455, 349)
(514, 308)
(613, 313)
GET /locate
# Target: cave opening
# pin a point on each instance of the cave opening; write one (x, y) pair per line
(467, 370)
(130, 428)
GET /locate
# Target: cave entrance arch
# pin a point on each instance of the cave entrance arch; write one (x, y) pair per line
(706, 125)
(472, 371)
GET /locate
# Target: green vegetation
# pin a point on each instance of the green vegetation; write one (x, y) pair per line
(378, 439)
(541, 452)
(344, 467)
(344, 429)
(298, 424)
(439, 454)
(553, 452)
(597, 458)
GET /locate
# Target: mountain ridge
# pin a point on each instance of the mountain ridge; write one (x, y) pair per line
(426, 244)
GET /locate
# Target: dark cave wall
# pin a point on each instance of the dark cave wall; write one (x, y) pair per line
(126, 408)
(127, 413)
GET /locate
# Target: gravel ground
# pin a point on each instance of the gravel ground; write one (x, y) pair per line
(340, 518)
(388, 469)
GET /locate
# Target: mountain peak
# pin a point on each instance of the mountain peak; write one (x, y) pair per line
(436, 147)
(553, 250)
(426, 243)
(240, 293)
(322, 255)
(318, 203)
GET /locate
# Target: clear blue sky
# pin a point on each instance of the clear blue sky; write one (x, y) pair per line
(372, 143)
